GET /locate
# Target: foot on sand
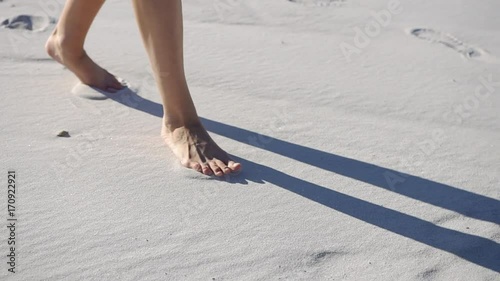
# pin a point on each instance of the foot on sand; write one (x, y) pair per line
(77, 60)
(196, 150)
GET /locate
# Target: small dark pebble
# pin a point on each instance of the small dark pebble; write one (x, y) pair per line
(63, 134)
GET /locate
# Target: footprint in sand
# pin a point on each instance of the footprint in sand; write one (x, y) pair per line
(87, 92)
(320, 3)
(311, 263)
(452, 42)
(81, 94)
(429, 274)
(323, 256)
(28, 22)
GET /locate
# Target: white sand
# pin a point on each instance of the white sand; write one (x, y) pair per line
(318, 135)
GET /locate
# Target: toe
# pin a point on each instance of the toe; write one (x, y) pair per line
(195, 166)
(223, 167)
(217, 170)
(115, 84)
(206, 169)
(227, 170)
(235, 167)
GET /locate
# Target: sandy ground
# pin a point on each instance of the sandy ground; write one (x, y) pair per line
(369, 152)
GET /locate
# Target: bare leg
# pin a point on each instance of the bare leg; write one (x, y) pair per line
(65, 44)
(160, 23)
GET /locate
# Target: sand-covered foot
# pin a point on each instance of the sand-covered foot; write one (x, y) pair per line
(77, 60)
(196, 150)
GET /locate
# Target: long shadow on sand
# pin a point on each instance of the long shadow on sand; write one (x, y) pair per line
(476, 249)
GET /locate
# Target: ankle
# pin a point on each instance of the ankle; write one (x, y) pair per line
(65, 46)
(170, 123)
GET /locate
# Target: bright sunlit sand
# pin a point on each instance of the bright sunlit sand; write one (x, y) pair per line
(368, 132)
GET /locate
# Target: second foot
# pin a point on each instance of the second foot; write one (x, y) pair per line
(77, 60)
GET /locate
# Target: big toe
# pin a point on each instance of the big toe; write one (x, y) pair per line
(234, 166)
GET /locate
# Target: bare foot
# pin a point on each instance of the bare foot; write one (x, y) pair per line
(196, 150)
(81, 65)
